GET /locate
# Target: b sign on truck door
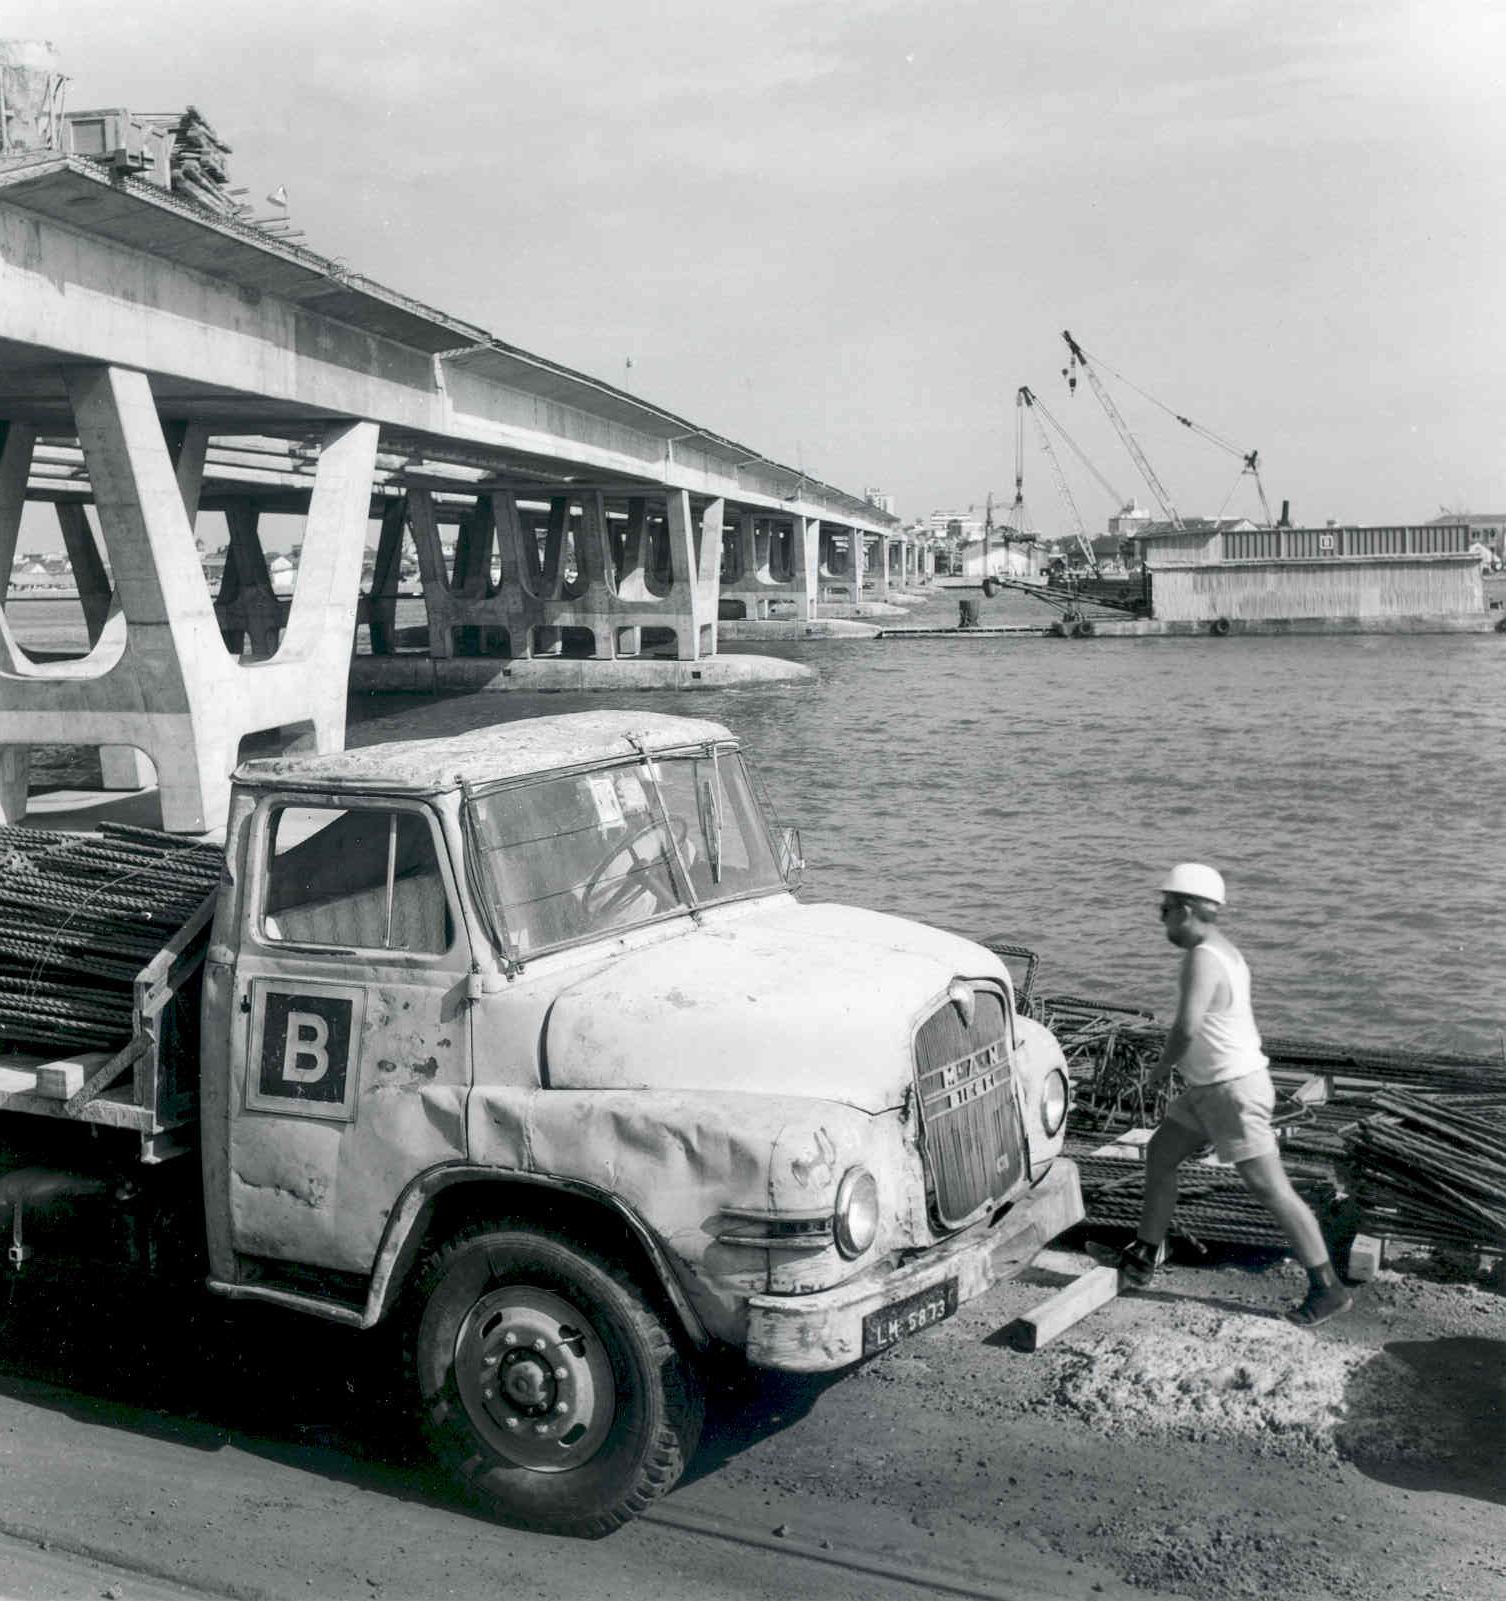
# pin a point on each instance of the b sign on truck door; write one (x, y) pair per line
(305, 1038)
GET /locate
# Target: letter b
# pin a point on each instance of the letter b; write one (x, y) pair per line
(307, 1041)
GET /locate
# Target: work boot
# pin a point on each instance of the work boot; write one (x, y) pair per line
(1137, 1264)
(1326, 1297)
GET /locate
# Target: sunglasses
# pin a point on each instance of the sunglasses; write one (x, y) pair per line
(1168, 907)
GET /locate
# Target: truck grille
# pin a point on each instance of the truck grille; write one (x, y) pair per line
(970, 1126)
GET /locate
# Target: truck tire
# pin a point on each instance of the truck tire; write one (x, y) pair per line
(547, 1382)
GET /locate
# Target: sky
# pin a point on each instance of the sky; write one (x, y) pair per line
(844, 232)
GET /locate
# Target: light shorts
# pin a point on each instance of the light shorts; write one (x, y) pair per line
(1234, 1115)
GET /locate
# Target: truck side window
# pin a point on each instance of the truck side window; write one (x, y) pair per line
(362, 877)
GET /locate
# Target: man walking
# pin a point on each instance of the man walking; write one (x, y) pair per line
(1215, 1046)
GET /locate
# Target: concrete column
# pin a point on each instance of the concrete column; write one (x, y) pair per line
(470, 581)
(15, 468)
(632, 582)
(159, 677)
(749, 568)
(121, 767)
(806, 556)
(432, 577)
(523, 589)
(89, 575)
(858, 542)
(187, 445)
(381, 605)
(16, 443)
(328, 587)
(694, 575)
(246, 603)
(146, 504)
(593, 557)
(552, 564)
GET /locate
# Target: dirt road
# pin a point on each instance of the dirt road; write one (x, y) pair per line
(1183, 1442)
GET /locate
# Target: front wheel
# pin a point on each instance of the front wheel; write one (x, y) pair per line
(548, 1382)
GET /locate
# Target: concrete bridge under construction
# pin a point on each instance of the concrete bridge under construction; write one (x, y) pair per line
(158, 361)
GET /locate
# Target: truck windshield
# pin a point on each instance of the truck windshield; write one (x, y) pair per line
(571, 857)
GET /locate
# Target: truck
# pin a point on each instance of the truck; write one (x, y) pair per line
(521, 1044)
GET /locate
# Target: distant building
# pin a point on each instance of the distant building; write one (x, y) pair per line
(1487, 528)
(1003, 558)
(1131, 519)
(1163, 544)
(878, 497)
(958, 525)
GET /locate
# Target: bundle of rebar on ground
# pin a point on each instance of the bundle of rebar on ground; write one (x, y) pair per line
(1431, 1167)
(80, 916)
(1111, 1050)
(1213, 1205)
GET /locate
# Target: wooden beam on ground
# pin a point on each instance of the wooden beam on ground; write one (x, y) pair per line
(1367, 1255)
(1068, 1306)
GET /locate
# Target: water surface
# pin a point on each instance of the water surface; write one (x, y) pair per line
(1349, 788)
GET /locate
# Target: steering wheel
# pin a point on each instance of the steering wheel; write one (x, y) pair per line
(599, 898)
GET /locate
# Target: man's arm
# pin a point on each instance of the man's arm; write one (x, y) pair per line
(1197, 985)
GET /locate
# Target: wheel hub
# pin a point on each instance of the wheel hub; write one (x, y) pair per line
(534, 1378)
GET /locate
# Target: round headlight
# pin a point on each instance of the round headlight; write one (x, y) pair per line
(856, 1212)
(1055, 1094)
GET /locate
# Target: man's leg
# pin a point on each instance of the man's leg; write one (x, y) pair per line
(1266, 1179)
(1170, 1146)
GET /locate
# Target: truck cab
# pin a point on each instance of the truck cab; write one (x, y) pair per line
(522, 1039)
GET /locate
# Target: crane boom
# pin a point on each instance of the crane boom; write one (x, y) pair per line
(1024, 401)
(1131, 444)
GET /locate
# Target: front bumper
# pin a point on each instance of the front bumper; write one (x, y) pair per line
(824, 1330)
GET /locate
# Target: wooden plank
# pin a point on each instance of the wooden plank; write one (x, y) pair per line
(1068, 1306)
(60, 1080)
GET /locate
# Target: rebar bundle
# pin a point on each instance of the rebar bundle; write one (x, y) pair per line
(1443, 1182)
(80, 916)
(1213, 1204)
(1426, 1167)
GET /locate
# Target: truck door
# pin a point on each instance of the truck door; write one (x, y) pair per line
(351, 1054)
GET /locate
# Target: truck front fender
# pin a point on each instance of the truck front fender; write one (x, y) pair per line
(408, 1229)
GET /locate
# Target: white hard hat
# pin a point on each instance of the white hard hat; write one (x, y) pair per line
(1192, 878)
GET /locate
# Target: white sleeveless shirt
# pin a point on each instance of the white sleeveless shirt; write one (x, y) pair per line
(1227, 1043)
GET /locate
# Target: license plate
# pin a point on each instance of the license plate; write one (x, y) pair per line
(891, 1324)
